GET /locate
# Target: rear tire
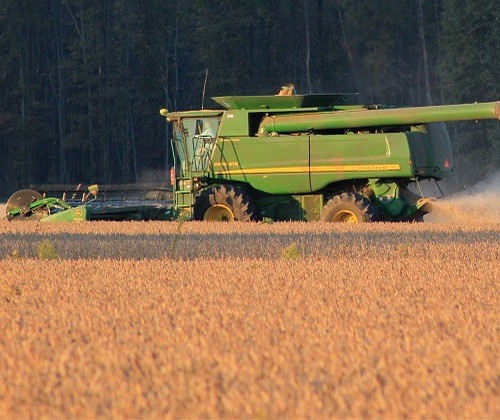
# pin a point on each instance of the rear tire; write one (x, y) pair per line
(348, 208)
(224, 203)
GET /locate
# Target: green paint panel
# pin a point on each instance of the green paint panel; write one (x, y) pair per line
(358, 156)
(311, 206)
(234, 124)
(274, 165)
(431, 151)
(74, 214)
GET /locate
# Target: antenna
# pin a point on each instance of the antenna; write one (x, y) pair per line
(204, 88)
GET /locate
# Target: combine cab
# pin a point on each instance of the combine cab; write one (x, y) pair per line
(293, 157)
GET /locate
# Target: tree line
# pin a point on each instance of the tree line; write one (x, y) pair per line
(82, 81)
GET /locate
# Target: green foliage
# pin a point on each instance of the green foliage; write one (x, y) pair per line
(46, 250)
(291, 252)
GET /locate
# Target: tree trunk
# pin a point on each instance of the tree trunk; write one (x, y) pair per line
(424, 52)
(308, 46)
(59, 94)
(348, 50)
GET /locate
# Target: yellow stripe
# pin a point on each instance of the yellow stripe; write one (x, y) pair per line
(357, 168)
(314, 169)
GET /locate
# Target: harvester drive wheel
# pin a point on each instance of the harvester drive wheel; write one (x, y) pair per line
(224, 203)
(348, 208)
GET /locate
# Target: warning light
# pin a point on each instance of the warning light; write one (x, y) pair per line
(172, 176)
(446, 163)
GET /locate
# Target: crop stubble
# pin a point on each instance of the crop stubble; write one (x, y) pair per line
(199, 319)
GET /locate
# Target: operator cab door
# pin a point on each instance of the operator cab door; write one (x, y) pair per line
(194, 140)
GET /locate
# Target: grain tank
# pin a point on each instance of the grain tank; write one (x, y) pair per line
(310, 157)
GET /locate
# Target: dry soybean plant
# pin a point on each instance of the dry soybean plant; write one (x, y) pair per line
(249, 320)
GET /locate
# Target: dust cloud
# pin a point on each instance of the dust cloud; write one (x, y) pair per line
(153, 176)
(480, 203)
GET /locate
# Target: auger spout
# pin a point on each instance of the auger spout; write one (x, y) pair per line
(364, 117)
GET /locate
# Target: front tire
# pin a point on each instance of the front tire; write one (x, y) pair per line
(348, 208)
(224, 203)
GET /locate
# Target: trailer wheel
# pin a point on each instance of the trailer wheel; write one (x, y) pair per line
(348, 208)
(224, 203)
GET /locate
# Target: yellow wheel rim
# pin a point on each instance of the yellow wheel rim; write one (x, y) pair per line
(219, 213)
(346, 216)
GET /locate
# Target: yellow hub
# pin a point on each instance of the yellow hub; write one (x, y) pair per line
(219, 213)
(346, 216)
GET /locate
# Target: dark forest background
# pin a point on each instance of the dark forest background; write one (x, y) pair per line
(82, 81)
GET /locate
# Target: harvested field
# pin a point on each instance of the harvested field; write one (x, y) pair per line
(249, 320)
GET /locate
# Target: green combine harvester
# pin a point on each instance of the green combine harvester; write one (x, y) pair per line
(297, 157)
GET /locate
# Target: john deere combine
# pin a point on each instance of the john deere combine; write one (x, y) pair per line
(310, 157)
(299, 157)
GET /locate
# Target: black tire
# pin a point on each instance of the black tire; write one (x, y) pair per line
(224, 203)
(348, 208)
